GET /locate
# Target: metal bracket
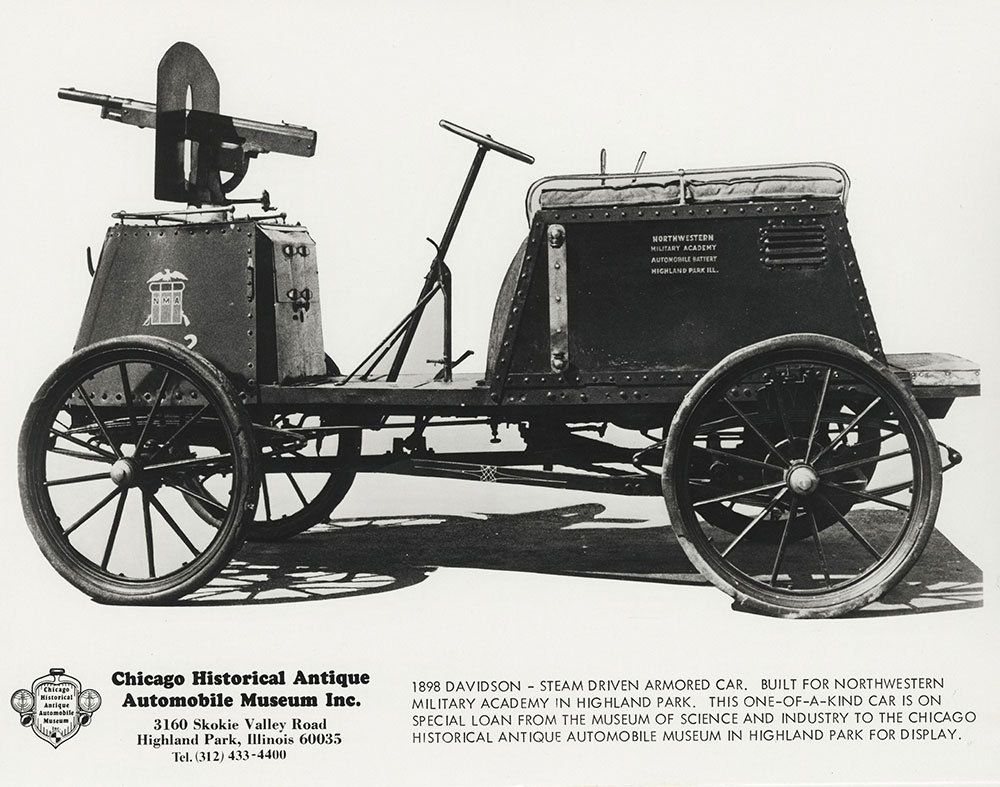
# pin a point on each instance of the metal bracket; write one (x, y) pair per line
(558, 312)
(954, 457)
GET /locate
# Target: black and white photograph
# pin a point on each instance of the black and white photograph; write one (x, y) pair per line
(520, 393)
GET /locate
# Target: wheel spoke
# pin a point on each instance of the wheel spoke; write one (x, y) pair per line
(819, 547)
(79, 479)
(763, 513)
(741, 493)
(295, 486)
(152, 412)
(111, 495)
(850, 528)
(266, 496)
(755, 430)
(849, 427)
(83, 444)
(195, 462)
(859, 462)
(819, 410)
(173, 525)
(99, 422)
(148, 522)
(870, 497)
(114, 529)
(756, 499)
(77, 455)
(737, 458)
(793, 509)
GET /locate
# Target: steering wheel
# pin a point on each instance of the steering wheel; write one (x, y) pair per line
(487, 142)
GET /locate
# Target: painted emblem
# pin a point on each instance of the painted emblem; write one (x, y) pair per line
(166, 298)
(56, 707)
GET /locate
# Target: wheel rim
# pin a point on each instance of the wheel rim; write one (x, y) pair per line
(108, 449)
(850, 501)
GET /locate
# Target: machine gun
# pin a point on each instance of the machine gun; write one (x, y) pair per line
(190, 128)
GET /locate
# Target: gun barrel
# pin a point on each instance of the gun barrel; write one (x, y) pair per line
(255, 136)
(122, 110)
(72, 94)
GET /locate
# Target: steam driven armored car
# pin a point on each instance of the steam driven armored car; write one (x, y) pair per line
(702, 335)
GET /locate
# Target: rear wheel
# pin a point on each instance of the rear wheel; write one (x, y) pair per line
(290, 502)
(108, 452)
(824, 465)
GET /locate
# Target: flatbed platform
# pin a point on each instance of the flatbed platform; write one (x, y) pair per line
(929, 376)
(937, 375)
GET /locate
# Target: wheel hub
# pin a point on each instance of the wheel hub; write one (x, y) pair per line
(124, 473)
(802, 479)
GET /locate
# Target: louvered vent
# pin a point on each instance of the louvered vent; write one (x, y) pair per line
(793, 245)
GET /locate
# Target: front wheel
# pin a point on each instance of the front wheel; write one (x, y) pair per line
(108, 453)
(824, 458)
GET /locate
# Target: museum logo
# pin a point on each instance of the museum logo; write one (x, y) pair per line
(56, 706)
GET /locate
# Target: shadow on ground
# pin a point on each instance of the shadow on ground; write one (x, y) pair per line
(352, 557)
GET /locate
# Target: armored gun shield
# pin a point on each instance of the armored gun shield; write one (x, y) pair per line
(185, 74)
(243, 294)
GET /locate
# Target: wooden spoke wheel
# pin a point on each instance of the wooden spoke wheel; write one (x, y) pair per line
(290, 502)
(108, 452)
(801, 477)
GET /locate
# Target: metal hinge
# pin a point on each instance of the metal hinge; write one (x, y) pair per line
(558, 312)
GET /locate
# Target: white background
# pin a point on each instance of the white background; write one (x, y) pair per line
(903, 95)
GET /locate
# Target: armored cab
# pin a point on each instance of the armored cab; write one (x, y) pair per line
(631, 284)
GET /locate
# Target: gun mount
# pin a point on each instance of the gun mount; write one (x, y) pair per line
(195, 143)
